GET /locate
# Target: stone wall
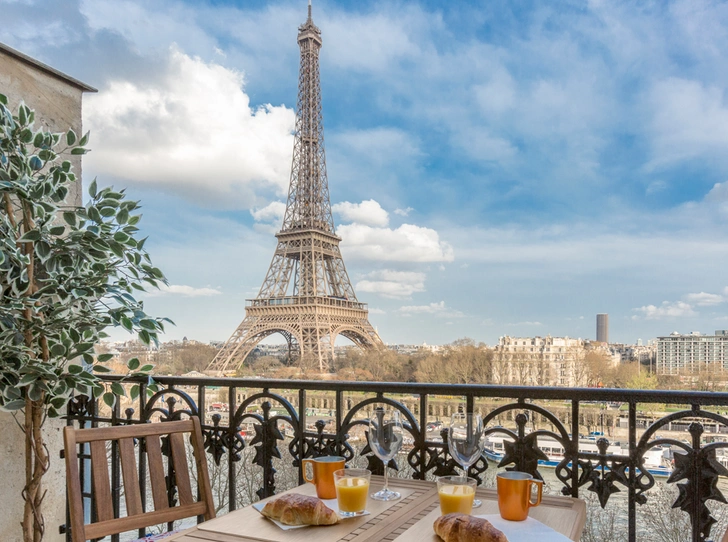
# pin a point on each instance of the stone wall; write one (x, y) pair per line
(12, 459)
(57, 103)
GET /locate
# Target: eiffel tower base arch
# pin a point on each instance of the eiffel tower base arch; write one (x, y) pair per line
(310, 334)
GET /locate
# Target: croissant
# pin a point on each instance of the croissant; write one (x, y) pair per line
(464, 528)
(296, 509)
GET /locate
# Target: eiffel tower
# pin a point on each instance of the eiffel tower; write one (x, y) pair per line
(306, 296)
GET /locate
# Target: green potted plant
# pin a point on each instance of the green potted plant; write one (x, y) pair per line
(66, 274)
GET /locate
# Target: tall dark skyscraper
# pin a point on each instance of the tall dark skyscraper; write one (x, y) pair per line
(603, 328)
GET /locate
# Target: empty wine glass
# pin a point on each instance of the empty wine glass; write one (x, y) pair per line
(385, 440)
(465, 441)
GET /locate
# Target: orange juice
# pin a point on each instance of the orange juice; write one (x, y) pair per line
(456, 498)
(351, 493)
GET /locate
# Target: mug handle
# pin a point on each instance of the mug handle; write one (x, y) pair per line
(539, 483)
(305, 471)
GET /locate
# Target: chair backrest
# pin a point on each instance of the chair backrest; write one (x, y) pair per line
(136, 518)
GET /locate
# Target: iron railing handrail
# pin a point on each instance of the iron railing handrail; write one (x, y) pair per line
(476, 390)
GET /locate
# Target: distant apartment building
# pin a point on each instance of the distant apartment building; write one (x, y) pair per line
(631, 352)
(691, 352)
(539, 361)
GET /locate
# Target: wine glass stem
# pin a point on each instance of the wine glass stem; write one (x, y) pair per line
(386, 479)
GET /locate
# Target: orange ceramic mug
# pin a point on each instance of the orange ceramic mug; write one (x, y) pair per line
(514, 494)
(323, 469)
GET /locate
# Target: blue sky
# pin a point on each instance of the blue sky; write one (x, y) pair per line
(496, 168)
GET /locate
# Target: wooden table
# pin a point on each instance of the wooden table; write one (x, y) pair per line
(408, 519)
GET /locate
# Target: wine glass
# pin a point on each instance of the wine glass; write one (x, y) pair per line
(385, 440)
(465, 441)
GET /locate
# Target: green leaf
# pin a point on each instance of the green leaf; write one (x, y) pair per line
(78, 150)
(13, 405)
(134, 392)
(32, 235)
(109, 399)
(104, 357)
(35, 393)
(57, 230)
(75, 369)
(146, 368)
(27, 379)
(70, 218)
(118, 389)
(92, 189)
(3, 99)
(126, 323)
(35, 163)
(59, 402)
(122, 216)
(58, 350)
(133, 364)
(84, 139)
(39, 138)
(101, 369)
(70, 137)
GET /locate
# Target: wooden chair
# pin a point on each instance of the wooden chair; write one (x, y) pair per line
(136, 518)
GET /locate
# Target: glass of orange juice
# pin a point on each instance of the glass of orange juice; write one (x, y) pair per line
(352, 490)
(456, 494)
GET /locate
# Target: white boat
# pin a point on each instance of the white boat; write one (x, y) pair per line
(655, 460)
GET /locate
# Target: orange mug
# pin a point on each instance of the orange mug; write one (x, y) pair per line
(514, 494)
(323, 469)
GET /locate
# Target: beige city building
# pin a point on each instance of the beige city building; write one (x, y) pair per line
(539, 361)
(56, 99)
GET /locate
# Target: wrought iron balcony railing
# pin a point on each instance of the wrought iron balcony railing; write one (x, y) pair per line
(267, 415)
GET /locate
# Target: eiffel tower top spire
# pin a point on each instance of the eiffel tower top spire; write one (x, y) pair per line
(309, 206)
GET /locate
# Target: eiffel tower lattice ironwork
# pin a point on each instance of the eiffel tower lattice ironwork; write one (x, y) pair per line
(306, 295)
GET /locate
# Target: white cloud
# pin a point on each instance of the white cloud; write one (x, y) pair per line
(719, 193)
(436, 309)
(191, 131)
(703, 299)
(353, 49)
(403, 212)
(408, 243)
(689, 120)
(269, 219)
(718, 197)
(678, 309)
(392, 284)
(367, 212)
(273, 212)
(184, 291)
(373, 310)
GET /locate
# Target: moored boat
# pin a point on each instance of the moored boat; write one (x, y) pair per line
(655, 460)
